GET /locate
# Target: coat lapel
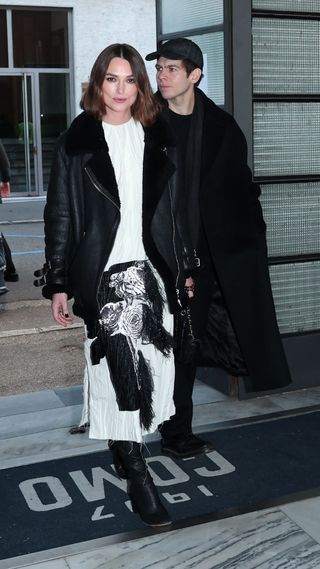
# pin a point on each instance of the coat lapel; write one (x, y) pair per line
(214, 127)
(86, 137)
(157, 166)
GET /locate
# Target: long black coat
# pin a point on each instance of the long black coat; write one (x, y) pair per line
(83, 211)
(232, 221)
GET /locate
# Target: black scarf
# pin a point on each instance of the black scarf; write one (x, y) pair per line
(193, 167)
(189, 182)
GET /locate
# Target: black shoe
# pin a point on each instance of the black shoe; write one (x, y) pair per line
(184, 448)
(141, 489)
(12, 276)
(78, 429)
(3, 290)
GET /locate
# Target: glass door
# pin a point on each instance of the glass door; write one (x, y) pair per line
(17, 132)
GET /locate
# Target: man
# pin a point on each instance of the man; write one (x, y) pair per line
(232, 309)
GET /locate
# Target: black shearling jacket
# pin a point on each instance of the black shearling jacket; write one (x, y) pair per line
(82, 215)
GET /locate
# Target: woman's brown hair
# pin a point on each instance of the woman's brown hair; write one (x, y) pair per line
(145, 108)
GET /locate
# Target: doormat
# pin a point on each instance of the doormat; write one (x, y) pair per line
(70, 500)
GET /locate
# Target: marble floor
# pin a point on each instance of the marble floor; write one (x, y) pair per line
(35, 427)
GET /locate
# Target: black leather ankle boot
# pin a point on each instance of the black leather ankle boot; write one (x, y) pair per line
(141, 489)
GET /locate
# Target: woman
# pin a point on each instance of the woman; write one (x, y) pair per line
(113, 244)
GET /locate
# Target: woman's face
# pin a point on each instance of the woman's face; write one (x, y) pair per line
(119, 91)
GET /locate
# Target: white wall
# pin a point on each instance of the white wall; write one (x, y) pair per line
(98, 23)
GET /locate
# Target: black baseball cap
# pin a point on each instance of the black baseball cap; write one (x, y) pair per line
(179, 48)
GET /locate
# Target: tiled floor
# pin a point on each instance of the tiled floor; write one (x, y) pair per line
(34, 428)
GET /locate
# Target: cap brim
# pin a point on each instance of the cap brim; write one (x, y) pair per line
(151, 56)
(170, 54)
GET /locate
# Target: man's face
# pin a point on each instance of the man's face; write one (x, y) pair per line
(172, 78)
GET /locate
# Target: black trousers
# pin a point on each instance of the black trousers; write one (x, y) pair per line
(180, 425)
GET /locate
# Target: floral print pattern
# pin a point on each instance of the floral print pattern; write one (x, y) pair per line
(126, 316)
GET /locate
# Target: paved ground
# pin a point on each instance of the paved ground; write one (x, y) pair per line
(35, 354)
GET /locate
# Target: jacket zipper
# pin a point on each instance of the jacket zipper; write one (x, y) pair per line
(174, 243)
(98, 186)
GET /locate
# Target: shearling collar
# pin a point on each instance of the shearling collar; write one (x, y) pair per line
(85, 135)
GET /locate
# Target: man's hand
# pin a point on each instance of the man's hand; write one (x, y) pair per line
(60, 311)
(189, 287)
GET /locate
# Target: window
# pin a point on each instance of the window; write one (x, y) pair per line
(291, 212)
(40, 38)
(286, 55)
(296, 291)
(286, 138)
(187, 14)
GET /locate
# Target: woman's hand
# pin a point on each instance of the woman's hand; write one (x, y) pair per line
(189, 287)
(59, 307)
